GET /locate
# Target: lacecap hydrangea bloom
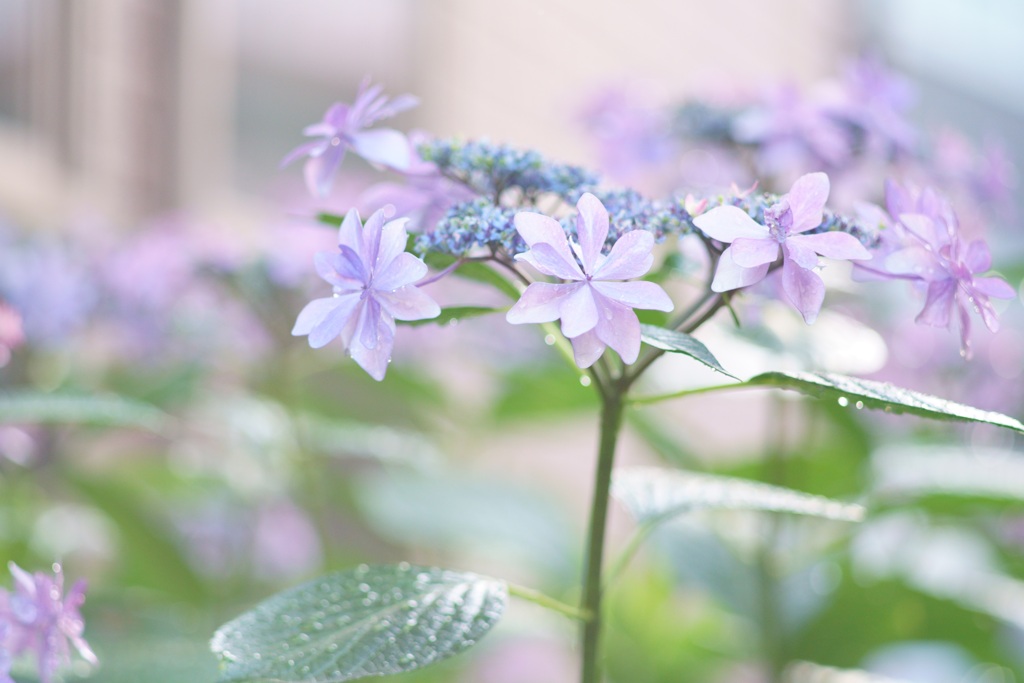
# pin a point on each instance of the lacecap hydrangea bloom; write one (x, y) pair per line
(37, 619)
(344, 127)
(755, 246)
(592, 301)
(374, 285)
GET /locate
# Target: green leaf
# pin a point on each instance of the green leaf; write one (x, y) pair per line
(922, 471)
(454, 314)
(98, 410)
(332, 219)
(369, 621)
(652, 494)
(862, 393)
(679, 342)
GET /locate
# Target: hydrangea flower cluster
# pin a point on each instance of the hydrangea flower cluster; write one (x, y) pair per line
(472, 225)
(38, 619)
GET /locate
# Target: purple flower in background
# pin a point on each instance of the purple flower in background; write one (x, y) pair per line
(951, 272)
(38, 618)
(11, 334)
(344, 127)
(594, 305)
(876, 99)
(755, 246)
(373, 278)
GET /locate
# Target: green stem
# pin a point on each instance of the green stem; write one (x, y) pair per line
(538, 598)
(657, 398)
(611, 422)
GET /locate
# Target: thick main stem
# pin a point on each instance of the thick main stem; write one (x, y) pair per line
(611, 422)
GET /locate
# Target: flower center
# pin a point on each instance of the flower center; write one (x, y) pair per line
(779, 219)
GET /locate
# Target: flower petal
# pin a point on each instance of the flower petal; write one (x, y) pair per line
(994, 286)
(314, 148)
(917, 262)
(540, 303)
(335, 270)
(726, 223)
(629, 258)
(551, 261)
(323, 322)
(375, 361)
(639, 294)
(799, 253)
(750, 253)
(591, 230)
(587, 348)
(978, 258)
(383, 146)
(834, 245)
(804, 289)
(731, 276)
(619, 328)
(807, 200)
(938, 305)
(578, 312)
(351, 230)
(404, 269)
(537, 228)
(319, 170)
(393, 240)
(408, 303)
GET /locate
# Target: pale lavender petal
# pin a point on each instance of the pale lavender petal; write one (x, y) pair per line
(393, 240)
(984, 307)
(368, 331)
(750, 253)
(806, 200)
(938, 305)
(383, 146)
(369, 237)
(629, 258)
(404, 269)
(730, 276)
(994, 286)
(926, 230)
(917, 262)
(587, 348)
(834, 245)
(375, 361)
(550, 261)
(351, 230)
(726, 223)
(639, 294)
(965, 330)
(978, 258)
(799, 253)
(804, 289)
(408, 303)
(396, 106)
(591, 230)
(537, 228)
(314, 148)
(319, 170)
(349, 267)
(335, 117)
(540, 303)
(314, 313)
(331, 324)
(619, 328)
(578, 312)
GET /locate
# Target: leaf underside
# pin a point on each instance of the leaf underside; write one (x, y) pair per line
(369, 621)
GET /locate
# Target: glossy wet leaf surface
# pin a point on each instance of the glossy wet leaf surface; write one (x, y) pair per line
(369, 621)
(678, 342)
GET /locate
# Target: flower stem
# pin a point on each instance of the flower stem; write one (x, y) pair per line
(538, 598)
(611, 422)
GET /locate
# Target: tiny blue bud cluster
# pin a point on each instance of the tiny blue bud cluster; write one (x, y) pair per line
(629, 210)
(466, 227)
(492, 169)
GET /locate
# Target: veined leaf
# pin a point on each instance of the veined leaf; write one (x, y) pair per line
(679, 342)
(862, 393)
(101, 410)
(369, 621)
(652, 494)
(454, 314)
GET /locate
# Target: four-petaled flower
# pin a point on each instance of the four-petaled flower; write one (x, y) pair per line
(38, 618)
(951, 270)
(374, 285)
(344, 127)
(754, 247)
(594, 305)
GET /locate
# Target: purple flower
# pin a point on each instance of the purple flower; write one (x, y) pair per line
(373, 278)
(344, 127)
(951, 272)
(755, 247)
(594, 305)
(38, 618)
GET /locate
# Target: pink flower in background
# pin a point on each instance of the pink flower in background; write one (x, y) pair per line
(595, 307)
(755, 246)
(11, 334)
(344, 127)
(374, 285)
(37, 618)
